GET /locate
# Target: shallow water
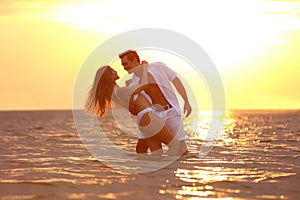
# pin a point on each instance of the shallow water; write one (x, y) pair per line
(257, 156)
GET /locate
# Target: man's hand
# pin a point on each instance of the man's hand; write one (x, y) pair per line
(187, 109)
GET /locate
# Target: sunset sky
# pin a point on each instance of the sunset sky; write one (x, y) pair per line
(254, 45)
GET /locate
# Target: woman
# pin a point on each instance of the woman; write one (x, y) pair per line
(100, 97)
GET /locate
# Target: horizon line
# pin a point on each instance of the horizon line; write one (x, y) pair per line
(233, 109)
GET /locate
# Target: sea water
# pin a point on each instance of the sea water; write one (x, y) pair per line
(256, 156)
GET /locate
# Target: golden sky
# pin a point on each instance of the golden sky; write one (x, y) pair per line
(254, 45)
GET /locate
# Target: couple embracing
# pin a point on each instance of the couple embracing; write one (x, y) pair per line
(150, 96)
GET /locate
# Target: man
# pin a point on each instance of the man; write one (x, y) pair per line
(161, 93)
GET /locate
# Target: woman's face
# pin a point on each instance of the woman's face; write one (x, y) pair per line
(114, 75)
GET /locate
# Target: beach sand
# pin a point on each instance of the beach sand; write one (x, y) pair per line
(256, 157)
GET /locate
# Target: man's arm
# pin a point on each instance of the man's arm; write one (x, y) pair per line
(181, 90)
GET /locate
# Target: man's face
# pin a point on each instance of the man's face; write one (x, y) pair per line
(128, 65)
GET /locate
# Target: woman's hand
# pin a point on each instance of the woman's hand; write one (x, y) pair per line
(144, 77)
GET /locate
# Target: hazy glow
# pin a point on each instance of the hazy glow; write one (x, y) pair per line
(253, 44)
(242, 23)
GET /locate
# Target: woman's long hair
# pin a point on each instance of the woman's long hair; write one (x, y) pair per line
(100, 93)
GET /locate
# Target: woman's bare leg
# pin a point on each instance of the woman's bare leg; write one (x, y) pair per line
(155, 146)
(141, 146)
(155, 131)
(165, 136)
(153, 142)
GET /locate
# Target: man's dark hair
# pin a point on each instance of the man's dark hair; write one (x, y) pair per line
(131, 55)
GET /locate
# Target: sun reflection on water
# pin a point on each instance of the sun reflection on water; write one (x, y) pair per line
(246, 152)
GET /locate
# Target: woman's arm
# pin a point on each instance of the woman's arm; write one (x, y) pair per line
(125, 93)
